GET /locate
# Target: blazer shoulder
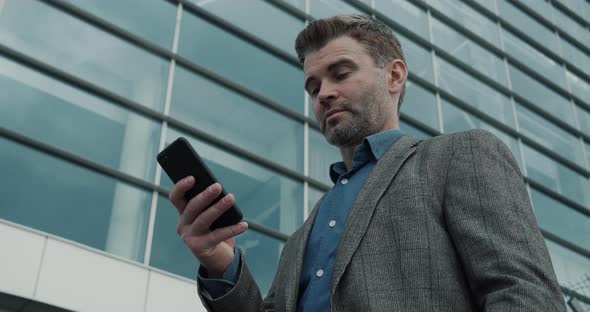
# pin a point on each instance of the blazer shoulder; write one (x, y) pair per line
(458, 138)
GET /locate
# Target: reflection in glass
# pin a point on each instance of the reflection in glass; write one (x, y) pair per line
(241, 62)
(169, 252)
(579, 86)
(574, 56)
(469, 52)
(328, 8)
(420, 104)
(584, 118)
(572, 269)
(534, 59)
(62, 199)
(265, 197)
(550, 135)
(321, 156)
(413, 131)
(238, 120)
(406, 14)
(418, 59)
(69, 44)
(540, 95)
(557, 177)
(456, 120)
(55, 113)
(314, 196)
(561, 220)
(572, 27)
(528, 25)
(259, 18)
(475, 93)
(463, 14)
(155, 21)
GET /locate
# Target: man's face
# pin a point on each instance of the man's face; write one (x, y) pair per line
(350, 94)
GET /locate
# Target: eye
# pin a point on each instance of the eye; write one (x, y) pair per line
(343, 75)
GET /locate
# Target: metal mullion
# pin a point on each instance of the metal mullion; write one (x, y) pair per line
(558, 197)
(484, 79)
(566, 244)
(573, 15)
(526, 38)
(548, 24)
(150, 113)
(81, 162)
(575, 294)
(238, 32)
(291, 10)
(164, 53)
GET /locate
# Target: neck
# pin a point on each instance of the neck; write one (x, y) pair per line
(347, 151)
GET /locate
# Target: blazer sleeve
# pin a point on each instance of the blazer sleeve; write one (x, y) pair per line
(492, 224)
(244, 296)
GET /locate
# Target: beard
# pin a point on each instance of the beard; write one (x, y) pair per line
(367, 116)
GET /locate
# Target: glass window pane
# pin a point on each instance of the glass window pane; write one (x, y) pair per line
(528, 25)
(587, 154)
(328, 8)
(405, 13)
(463, 14)
(576, 57)
(561, 220)
(475, 93)
(418, 59)
(241, 62)
(557, 177)
(457, 120)
(413, 131)
(169, 253)
(55, 113)
(571, 27)
(534, 59)
(91, 54)
(265, 197)
(155, 21)
(236, 119)
(420, 104)
(579, 86)
(469, 52)
(581, 7)
(541, 7)
(550, 135)
(321, 156)
(490, 5)
(571, 268)
(541, 95)
(72, 202)
(584, 118)
(259, 18)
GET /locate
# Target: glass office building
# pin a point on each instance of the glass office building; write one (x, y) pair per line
(92, 90)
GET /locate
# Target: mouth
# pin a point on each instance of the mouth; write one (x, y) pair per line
(333, 114)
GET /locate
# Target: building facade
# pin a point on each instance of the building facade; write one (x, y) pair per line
(92, 90)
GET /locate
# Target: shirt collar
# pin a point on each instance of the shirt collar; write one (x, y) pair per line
(372, 147)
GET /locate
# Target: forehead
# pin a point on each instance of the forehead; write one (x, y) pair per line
(342, 47)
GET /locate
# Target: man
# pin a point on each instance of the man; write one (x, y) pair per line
(438, 225)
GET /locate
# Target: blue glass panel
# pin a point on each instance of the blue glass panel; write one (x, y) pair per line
(55, 113)
(572, 269)
(418, 59)
(60, 198)
(51, 36)
(405, 13)
(420, 104)
(321, 156)
(241, 62)
(231, 117)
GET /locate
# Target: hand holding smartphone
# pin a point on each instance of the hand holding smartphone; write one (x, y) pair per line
(180, 160)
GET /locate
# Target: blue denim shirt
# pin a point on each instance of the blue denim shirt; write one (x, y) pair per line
(322, 246)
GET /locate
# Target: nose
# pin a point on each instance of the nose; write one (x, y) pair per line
(328, 92)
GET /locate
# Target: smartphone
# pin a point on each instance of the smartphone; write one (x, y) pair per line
(179, 160)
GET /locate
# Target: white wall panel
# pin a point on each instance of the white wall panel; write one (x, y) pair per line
(82, 280)
(20, 258)
(171, 294)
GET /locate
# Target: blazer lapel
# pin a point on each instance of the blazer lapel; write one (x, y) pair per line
(364, 206)
(294, 273)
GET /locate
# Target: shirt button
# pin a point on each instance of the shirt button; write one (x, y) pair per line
(319, 273)
(332, 223)
(344, 181)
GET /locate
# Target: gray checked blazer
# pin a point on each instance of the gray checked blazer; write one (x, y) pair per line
(443, 224)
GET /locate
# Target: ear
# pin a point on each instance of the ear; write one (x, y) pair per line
(398, 73)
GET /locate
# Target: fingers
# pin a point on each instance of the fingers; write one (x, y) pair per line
(176, 195)
(203, 222)
(198, 203)
(228, 232)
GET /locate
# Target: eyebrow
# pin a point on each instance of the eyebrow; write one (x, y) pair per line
(339, 63)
